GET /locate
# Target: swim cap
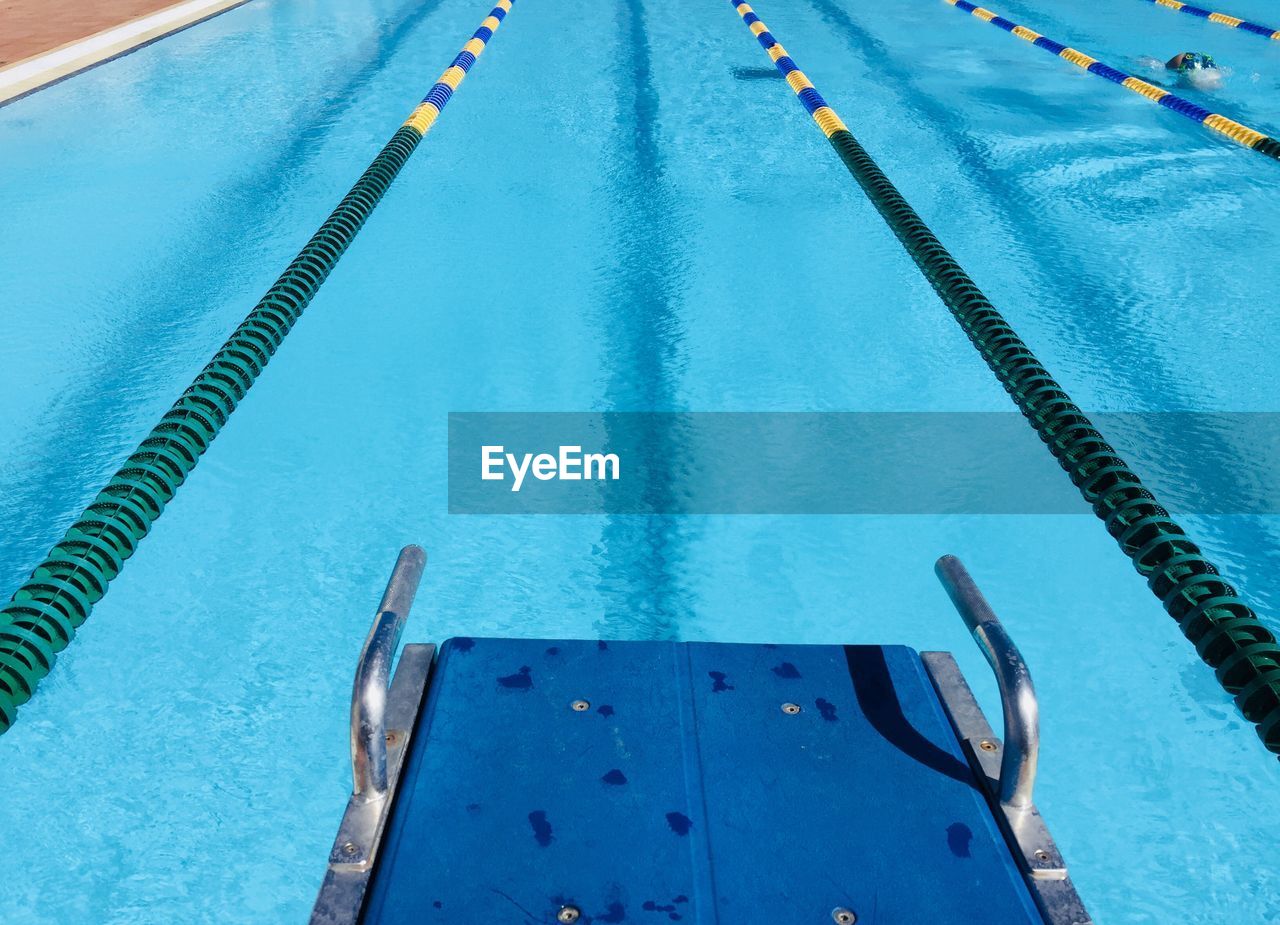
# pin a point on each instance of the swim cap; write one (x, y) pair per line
(1195, 61)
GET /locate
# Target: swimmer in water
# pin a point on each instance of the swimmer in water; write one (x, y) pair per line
(1190, 61)
(1195, 68)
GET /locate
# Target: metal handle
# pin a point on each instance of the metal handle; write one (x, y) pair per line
(1017, 693)
(373, 675)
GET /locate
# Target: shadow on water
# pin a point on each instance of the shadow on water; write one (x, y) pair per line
(1103, 312)
(641, 555)
(755, 73)
(62, 474)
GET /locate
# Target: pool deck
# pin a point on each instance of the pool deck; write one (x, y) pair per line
(44, 41)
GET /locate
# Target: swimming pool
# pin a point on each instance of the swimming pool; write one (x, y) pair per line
(619, 213)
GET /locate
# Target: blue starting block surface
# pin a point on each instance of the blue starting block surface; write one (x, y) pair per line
(656, 782)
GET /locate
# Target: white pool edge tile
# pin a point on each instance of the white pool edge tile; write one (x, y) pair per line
(40, 70)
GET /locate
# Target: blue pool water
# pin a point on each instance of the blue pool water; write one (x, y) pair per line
(608, 217)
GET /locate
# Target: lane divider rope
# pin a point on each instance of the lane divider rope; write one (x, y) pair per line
(1241, 134)
(1226, 632)
(1233, 22)
(43, 615)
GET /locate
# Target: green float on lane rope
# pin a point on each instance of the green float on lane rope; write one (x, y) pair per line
(43, 615)
(1227, 634)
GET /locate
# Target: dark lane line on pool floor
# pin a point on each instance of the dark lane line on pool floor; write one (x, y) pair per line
(644, 334)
